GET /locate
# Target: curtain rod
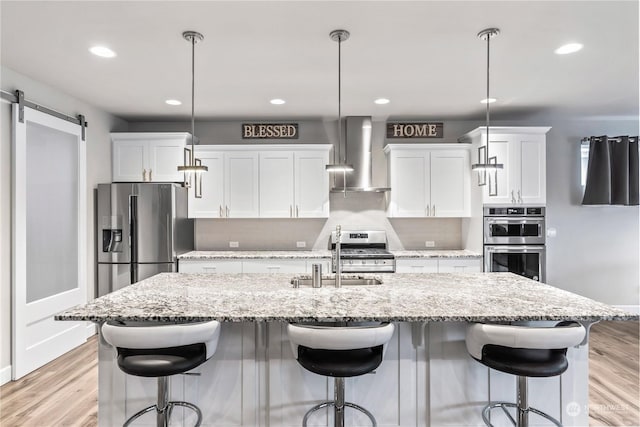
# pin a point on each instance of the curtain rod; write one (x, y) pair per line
(587, 139)
(18, 98)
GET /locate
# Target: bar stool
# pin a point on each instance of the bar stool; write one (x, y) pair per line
(525, 352)
(160, 350)
(339, 352)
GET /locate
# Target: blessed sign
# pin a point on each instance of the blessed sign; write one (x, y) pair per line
(414, 130)
(269, 131)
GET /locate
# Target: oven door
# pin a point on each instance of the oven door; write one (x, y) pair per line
(527, 261)
(514, 231)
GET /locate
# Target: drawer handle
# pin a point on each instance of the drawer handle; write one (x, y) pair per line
(209, 268)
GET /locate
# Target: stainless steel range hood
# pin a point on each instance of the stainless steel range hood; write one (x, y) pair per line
(357, 147)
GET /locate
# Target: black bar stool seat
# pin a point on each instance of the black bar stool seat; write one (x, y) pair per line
(340, 363)
(161, 362)
(525, 361)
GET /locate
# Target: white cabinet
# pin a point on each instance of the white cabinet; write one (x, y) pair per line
(229, 187)
(416, 265)
(294, 266)
(266, 265)
(294, 184)
(522, 151)
(429, 180)
(276, 181)
(138, 157)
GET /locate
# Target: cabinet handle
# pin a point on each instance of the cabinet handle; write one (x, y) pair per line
(513, 198)
(207, 269)
(297, 211)
(434, 210)
(290, 211)
(144, 174)
(227, 211)
(428, 210)
(519, 197)
(221, 213)
(150, 178)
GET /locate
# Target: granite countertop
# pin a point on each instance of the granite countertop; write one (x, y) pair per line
(240, 255)
(401, 297)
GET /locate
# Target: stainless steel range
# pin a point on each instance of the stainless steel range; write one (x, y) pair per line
(363, 252)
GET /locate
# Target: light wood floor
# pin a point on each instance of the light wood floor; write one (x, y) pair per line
(65, 392)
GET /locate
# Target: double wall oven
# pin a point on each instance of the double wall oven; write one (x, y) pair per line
(514, 240)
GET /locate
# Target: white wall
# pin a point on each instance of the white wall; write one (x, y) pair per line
(98, 170)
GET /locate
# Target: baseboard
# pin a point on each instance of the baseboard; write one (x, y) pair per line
(91, 329)
(633, 309)
(5, 375)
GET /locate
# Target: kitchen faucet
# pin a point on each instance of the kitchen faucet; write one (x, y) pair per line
(338, 263)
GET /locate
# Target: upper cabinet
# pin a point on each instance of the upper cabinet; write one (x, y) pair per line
(428, 180)
(142, 156)
(522, 150)
(274, 181)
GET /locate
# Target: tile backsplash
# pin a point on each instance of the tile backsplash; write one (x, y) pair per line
(358, 211)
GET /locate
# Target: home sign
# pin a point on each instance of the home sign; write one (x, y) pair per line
(414, 130)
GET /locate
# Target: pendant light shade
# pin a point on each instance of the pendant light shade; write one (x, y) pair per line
(485, 163)
(191, 164)
(340, 165)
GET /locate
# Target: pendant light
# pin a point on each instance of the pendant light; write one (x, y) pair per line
(485, 163)
(192, 165)
(341, 165)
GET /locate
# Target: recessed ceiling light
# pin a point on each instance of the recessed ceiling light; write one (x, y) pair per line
(173, 102)
(382, 101)
(102, 51)
(277, 101)
(568, 48)
(488, 101)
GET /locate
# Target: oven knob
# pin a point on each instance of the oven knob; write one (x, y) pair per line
(364, 262)
(375, 262)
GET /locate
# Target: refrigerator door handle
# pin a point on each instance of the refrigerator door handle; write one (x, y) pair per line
(133, 236)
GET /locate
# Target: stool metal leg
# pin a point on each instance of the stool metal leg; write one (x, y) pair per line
(164, 407)
(339, 404)
(522, 408)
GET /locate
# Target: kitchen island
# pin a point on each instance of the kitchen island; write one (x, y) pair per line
(426, 378)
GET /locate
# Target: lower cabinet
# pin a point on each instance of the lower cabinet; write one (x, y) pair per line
(208, 266)
(444, 265)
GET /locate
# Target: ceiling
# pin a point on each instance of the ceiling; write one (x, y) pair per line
(422, 55)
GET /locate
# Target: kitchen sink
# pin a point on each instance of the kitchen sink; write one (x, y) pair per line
(330, 281)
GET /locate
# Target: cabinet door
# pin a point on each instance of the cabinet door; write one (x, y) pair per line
(241, 184)
(128, 160)
(410, 185)
(450, 196)
(311, 184)
(215, 266)
(164, 158)
(459, 265)
(531, 179)
(503, 147)
(276, 184)
(211, 204)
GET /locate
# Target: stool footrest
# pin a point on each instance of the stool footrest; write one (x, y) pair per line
(503, 405)
(333, 403)
(166, 413)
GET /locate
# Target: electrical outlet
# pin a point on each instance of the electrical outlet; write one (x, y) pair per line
(429, 244)
(301, 244)
(234, 244)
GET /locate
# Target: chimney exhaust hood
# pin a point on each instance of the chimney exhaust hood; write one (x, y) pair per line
(357, 149)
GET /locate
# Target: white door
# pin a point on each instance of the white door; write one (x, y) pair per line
(311, 184)
(532, 178)
(129, 161)
(502, 147)
(410, 178)
(164, 158)
(276, 184)
(450, 194)
(241, 184)
(49, 238)
(211, 204)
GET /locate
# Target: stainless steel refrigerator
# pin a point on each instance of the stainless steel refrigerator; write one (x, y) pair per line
(142, 228)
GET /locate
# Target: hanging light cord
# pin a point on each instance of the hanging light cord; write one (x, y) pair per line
(486, 152)
(193, 94)
(339, 99)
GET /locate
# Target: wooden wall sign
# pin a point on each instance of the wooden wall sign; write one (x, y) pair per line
(270, 131)
(410, 130)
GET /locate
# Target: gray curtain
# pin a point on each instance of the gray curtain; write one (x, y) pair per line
(612, 172)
